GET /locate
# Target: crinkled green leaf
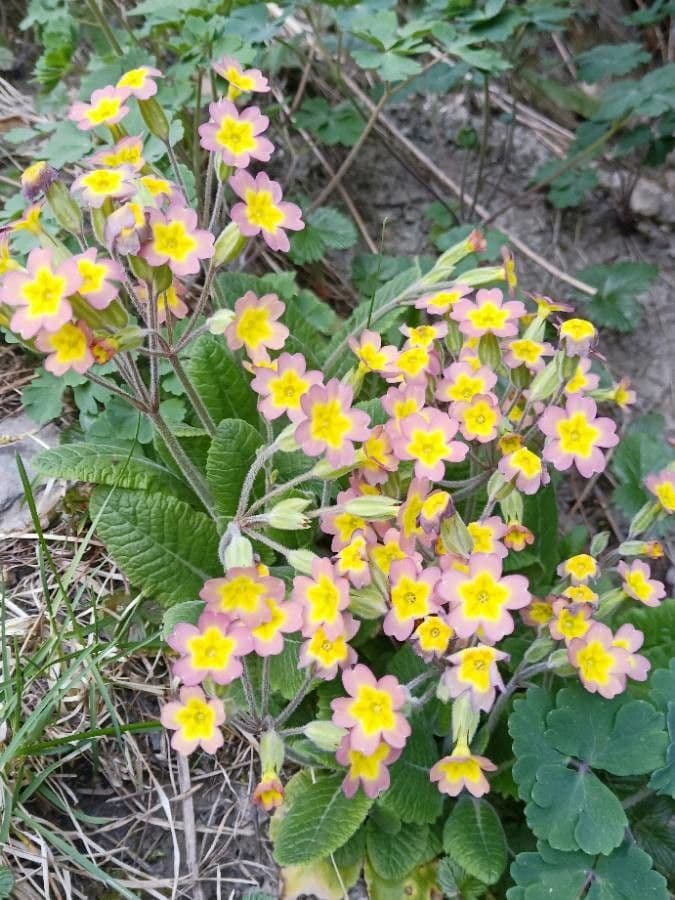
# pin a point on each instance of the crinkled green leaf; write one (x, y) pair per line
(392, 856)
(162, 545)
(231, 455)
(319, 820)
(221, 381)
(285, 675)
(412, 796)
(473, 837)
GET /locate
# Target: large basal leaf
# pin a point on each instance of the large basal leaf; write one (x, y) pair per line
(621, 736)
(221, 381)
(114, 466)
(320, 820)
(412, 796)
(473, 836)
(572, 810)
(551, 875)
(231, 455)
(161, 544)
(392, 856)
(420, 884)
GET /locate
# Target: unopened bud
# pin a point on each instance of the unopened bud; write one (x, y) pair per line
(453, 339)
(272, 752)
(650, 549)
(599, 543)
(219, 321)
(546, 382)
(539, 649)
(484, 275)
(235, 550)
(130, 338)
(456, 537)
(98, 219)
(644, 518)
(559, 662)
(498, 488)
(285, 440)
(567, 365)
(512, 506)
(301, 560)
(154, 118)
(367, 602)
(324, 734)
(608, 602)
(162, 279)
(288, 514)
(447, 261)
(464, 719)
(324, 470)
(66, 211)
(372, 506)
(229, 244)
(223, 171)
(489, 352)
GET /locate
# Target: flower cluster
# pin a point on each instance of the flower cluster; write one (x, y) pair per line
(145, 243)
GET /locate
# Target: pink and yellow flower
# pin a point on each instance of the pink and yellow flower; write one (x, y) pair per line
(630, 639)
(602, 666)
(106, 107)
(331, 425)
(393, 547)
(526, 468)
(352, 561)
(127, 152)
(474, 672)
(236, 135)
(284, 618)
(376, 457)
(328, 654)
(244, 592)
(36, 178)
(97, 186)
(488, 314)
(438, 303)
(462, 770)
(662, 485)
(269, 792)
(372, 711)
(569, 621)
(41, 293)
(241, 80)
(461, 383)
(126, 228)
(518, 536)
(414, 364)
(412, 596)
(367, 770)
(372, 356)
(575, 435)
(263, 211)
(176, 241)
(583, 379)
(140, 83)
(580, 593)
(411, 509)
(323, 597)
(579, 568)
(68, 348)
(98, 277)
(538, 613)
(622, 394)
(282, 388)
(342, 524)
(487, 534)
(577, 336)
(528, 353)
(400, 402)
(7, 262)
(481, 598)
(638, 584)
(196, 721)
(255, 325)
(427, 438)
(432, 637)
(211, 648)
(424, 335)
(478, 420)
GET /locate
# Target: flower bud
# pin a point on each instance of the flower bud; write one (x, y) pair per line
(599, 543)
(539, 649)
(36, 179)
(484, 275)
(235, 550)
(129, 338)
(354, 379)
(453, 339)
(464, 720)
(455, 536)
(608, 602)
(219, 321)
(98, 218)
(66, 211)
(546, 382)
(650, 549)
(288, 514)
(154, 118)
(269, 794)
(567, 365)
(272, 752)
(229, 244)
(512, 506)
(489, 352)
(324, 734)
(326, 472)
(162, 279)
(498, 488)
(644, 518)
(367, 602)
(285, 440)
(559, 662)
(223, 171)
(447, 261)
(372, 506)
(301, 560)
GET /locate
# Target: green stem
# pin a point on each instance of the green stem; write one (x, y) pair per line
(295, 702)
(187, 468)
(98, 14)
(193, 395)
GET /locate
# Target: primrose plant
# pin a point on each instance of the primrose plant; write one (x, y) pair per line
(355, 537)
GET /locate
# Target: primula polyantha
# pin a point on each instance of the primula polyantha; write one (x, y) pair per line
(479, 401)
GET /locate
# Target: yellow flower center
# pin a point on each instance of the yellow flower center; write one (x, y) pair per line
(329, 423)
(236, 135)
(580, 593)
(465, 388)
(156, 185)
(261, 210)
(665, 493)
(410, 514)
(269, 630)
(351, 557)
(595, 663)
(32, 173)
(526, 461)
(168, 298)
(241, 594)
(367, 767)
(434, 634)
(428, 446)
(371, 357)
(239, 80)
(474, 667)
(93, 275)
(443, 299)
(69, 343)
(373, 709)
(572, 625)
(577, 329)
(410, 599)
(172, 240)
(385, 554)
(130, 155)
(422, 336)
(106, 108)
(413, 361)
(435, 504)
(325, 651)
(134, 78)
(638, 585)
(541, 611)
(44, 293)
(346, 524)
(581, 566)
(403, 408)
(482, 535)
(489, 316)
(253, 327)
(577, 382)
(287, 390)
(197, 720)
(103, 181)
(480, 419)
(210, 650)
(456, 770)
(526, 351)
(324, 600)
(577, 435)
(483, 597)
